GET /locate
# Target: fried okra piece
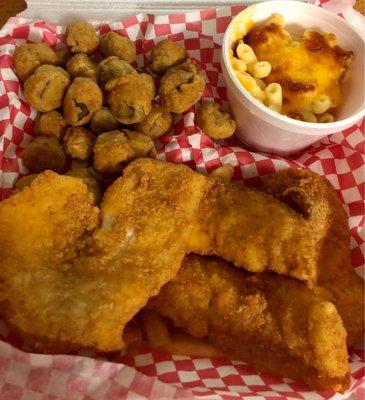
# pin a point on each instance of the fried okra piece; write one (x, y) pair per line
(46, 87)
(114, 44)
(113, 67)
(150, 84)
(113, 150)
(215, 122)
(28, 57)
(81, 65)
(181, 87)
(51, 123)
(103, 121)
(24, 181)
(63, 55)
(90, 181)
(81, 37)
(78, 142)
(82, 100)
(166, 54)
(157, 122)
(129, 98)
(44, 153)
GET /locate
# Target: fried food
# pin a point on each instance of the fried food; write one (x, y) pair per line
(128, 98)
(44, 153)
(81, 37)
(113, 67)
(157, 122)
(166, 54)
(23, 182)
(274, 323)
(47, 302)
(82, 100)
(215, 122)
(90, 181)
(63, 55)
(150, 85)
(317, 200)
(45, 89)
(103, 121)
(79, 142)
(76, 297)
(81, 65)
(51, 123)
(84, 297)
(113, 44)
(181, 87)
(114, 150)
(28, 57)
(225, 173)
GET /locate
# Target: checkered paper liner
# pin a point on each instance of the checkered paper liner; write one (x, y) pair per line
(340, 158)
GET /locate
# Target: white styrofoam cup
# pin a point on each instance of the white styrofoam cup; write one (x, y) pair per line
(269, 131)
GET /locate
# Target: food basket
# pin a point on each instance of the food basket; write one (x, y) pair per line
(339, 158)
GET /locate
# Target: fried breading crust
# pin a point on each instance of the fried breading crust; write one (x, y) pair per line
(83, 296)
(317, 200)
(274, 323)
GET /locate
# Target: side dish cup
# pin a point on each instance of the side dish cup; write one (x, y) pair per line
(269, 131)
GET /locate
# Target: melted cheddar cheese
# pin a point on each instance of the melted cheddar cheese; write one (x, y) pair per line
(305, 69)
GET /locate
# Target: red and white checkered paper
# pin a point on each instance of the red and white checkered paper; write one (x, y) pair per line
(340, 158)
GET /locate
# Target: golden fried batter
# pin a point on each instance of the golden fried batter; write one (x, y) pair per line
(113, 44)
(181, 87)
(82, 100)
(28, 57)
(90, 181)
(167, 54)
(114, 150)
(130, 98)
(103, 121)
(215, 122)
(113, 67)
(274, 323)
(63, 55)
(45, 89)
(51, 123)
(81, 37)
(44, 153)
(76, 298)
(81, 65)
(24, 181)
(318, 202)
(79, 142)
(157, 122)
(67, 301)
(150, 85)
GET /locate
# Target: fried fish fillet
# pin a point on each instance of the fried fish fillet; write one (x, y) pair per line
(274, 323)
(60, 299)
(317, 200)
(65, 287)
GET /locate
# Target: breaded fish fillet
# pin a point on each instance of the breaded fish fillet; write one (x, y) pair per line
(274, 323)
(149, 219)
(317, 200)
(60, 299)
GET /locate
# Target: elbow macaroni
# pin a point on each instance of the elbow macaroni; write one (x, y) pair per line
(325, 118)
(239, 65)
(322, 104)
(308, 116)
(260, 69)
(245, 53)
(274, 97)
